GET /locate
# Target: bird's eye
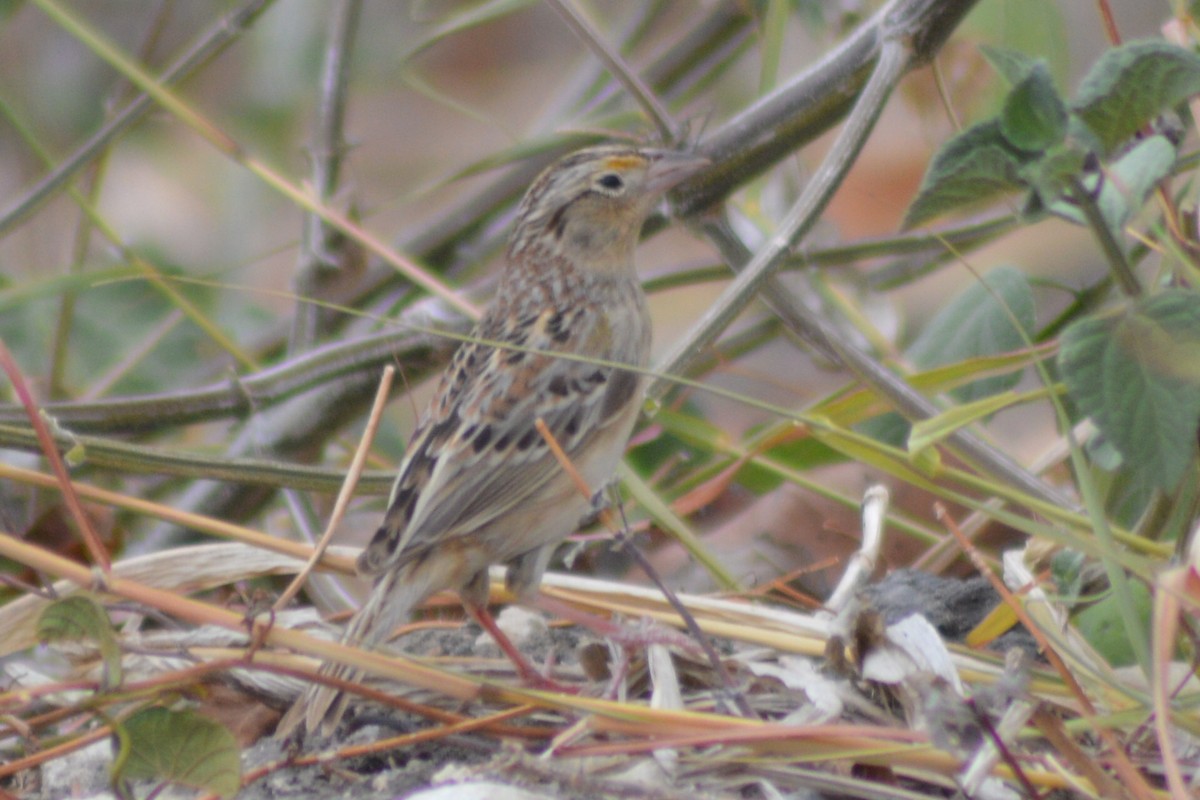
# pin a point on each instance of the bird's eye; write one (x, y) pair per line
(611, 181)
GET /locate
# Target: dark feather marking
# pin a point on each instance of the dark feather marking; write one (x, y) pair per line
(404, 499)
(558, 222)
(527, 439)
(558, 386)
(620, 391)
(481, 441)
(448, 425)
(375, 552)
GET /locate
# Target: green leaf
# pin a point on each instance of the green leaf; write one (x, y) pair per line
(183, 747)
(1028, 31)
(973, 325)
(1125, 185)
(1132, 178)
(979, 322)
(800, 455)
(1101, 625)
(1012, 65)
(80, 618)
(890, 429)
(1034, 117)
(1103, 453)
(1130, 85)
(930, 431)
(98, 344)
(9, 7)
(1125, 497)
(1137, 374)
(1050, 175)
(773, 34)
(1066, 569)
(976, 165)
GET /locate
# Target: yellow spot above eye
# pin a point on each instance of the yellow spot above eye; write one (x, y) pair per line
(623, 162)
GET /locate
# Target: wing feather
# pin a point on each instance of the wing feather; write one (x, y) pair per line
(478, 453)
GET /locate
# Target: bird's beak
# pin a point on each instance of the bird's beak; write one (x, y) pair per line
(668, 168)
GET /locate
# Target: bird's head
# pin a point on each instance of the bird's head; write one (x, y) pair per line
(590, 205)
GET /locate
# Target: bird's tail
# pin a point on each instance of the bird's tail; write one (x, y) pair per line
(321, 707)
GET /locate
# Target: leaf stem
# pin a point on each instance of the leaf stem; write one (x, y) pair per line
(1108, 243)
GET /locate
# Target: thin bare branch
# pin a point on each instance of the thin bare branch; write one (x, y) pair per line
(216, 39)
(347, 490)
(331, 363)
(893, 63)
(617, 66)
(323, 251)
(814, 100)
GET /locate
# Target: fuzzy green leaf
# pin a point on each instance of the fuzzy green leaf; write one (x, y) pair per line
(973, 325)
(1012, 65)
(183, 747)
(979, 322)
(929, 432)
(1137, 374)
(1034, 117)
(1126, 184)
(1130, 85)
(974, 166)
(1051, 174)
(80, 617)
(1101, 625)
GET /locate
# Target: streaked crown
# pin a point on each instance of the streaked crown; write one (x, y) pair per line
(590, 205)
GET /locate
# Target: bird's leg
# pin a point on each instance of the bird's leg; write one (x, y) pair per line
(623, 635)
(527, 672)
(601, 500)
(475, 600)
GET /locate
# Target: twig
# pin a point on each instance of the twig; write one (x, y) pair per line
(1002, 749)
(218, 37)
(1110, 23)
(1130, 777)
(329, 364)
(626, 541)
(903, 397)
(862, 563)
(119, 456)
(317, 257)
(343, 498)
(893, 62)
(90, 539)
(583, 28)
(812, 102)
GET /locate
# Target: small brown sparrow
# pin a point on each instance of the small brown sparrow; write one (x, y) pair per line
(479, 485)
